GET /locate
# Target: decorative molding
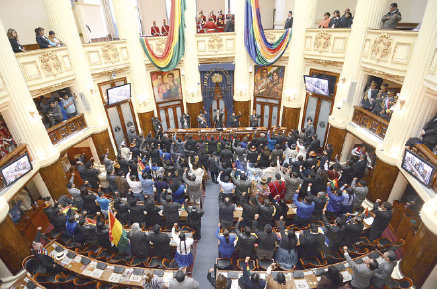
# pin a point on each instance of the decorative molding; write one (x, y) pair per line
(110, 53)
(381, 46)
(384, 75)
(430, 93)
(160, 45)
(325, 62)
(215, 43)
(46, 90)
(322, 41)
(50, 63)
(108, 73)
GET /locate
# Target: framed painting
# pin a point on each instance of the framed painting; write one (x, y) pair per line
(166, 85)
(268, 81)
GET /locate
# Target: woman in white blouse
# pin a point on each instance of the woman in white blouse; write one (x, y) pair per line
(183, 256)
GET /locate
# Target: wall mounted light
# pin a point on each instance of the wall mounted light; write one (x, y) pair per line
(34, 115)
(241, 90)
(182, 72)
(290, 94)
(250, 69)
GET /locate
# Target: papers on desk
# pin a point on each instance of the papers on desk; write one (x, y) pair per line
(114, 278)
(234, 284)
(168, 276)
(369, 221)
(97, 273)
(65, 261)
(346, 276)
(136, 278)
(77, 259)
(110, 267)
(301, 284)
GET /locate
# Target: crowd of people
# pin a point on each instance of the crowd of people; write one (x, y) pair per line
(380, 102)
(57, 109)
(215, 23)
(156, 31)
(154, 178)
(42, 40)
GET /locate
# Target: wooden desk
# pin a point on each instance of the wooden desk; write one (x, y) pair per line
(21, 283)
(89, 271)
(310, 279)
(224, 132)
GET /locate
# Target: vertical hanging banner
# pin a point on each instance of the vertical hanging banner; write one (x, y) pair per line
(261, 51)
(175, 45)
(217, 80)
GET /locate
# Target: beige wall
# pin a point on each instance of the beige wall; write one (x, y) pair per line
(148, 14)
(411, 10)
(266, 9)
(208, 5)
(24, 16)
(94, 18)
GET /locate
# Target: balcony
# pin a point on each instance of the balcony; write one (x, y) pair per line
(372, 123)
(386, 53)
(326, 46)
(46, 70)
(216, 45)
(67, 128)
(106, 57)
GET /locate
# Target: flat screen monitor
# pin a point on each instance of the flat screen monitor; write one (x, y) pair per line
(317, 85)
(418, 167)
(118, 94)
(16, 169)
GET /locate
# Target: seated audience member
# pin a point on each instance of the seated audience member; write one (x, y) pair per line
(360, 192)
(362, 273)
(42, 40)
(183, 256)
(391, 19)
(13, 39)
(246, 241)
(152, 281)
(312, 243)
(304, 210)
(382, 276)
(53, 40)
(266, 240)
(280, 282)
(324, 23)
(346, 22)
(139, 241)
(160, 242)
(219, 282)
(54, 114)
(181, 281)
(286, 256)
(250, 281)
(226, 245)
(331, 279)
(335, 20)
(334, 232)
(69, 106)
(382, 214)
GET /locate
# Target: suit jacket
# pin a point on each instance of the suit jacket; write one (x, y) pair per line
(430, 129)
(139, 244)
(288, 23)
(312, 244)
(161, 244)
(314, 145)
(42, 41)
(229, 26)
(334, 22)
(345, 22)
(352, 232)
(382, 275)
(246, 244)
(362, 274)
(16, 47)
(391, 23)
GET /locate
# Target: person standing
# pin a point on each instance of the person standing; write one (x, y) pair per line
(382, 214)
(362, 272)
(154, 30)
(382, 276)
(229, 26)
(289, 20)
(391, 19)
(183, 255)
(220, 21)
(254, 119)
(369, 97)
(165, 28)
(226, 245)
(324, 23)
(335, 20)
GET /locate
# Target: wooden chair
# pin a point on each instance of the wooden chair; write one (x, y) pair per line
(383, 243)
(404, 283)
(396, 246)
(138, 261)
(155, 262)
(251, 263)
(313, 262)
(263, 264)
(169, 264)
(224, 263)
(32, 265)
(84, 283)
(333, 258)
(48, 280)
(119, 258)
(63, 283)
(105, 255)
(364, 242)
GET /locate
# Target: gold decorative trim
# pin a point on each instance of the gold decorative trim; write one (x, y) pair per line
(52, 88)
(381, 46)
(109, 72)
(215, 43)
(384, 75)
(160, 45)
(110, 53)
(322, 41)
(325, 62)
(50, 63)
(431, 93)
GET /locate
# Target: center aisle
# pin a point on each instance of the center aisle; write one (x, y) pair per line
(207, 251)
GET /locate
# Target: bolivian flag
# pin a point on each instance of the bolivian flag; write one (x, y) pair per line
(141, 164)
(334, 183)
(117, 234)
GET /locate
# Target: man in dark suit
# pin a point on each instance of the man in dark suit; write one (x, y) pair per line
(312, 243)
(353, 230)
(314, 145)
(359, 167)
(382, 214)
(335, 20)
(160, 242)
(429, 133)
(234, 121)
(289, 21)
(369, 97)
(229, 26)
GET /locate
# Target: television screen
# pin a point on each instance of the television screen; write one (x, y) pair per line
(118, 94)
(418, 168)
(15, 169)
(317, 85)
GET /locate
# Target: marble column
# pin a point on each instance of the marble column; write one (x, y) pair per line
(22, 116)
(41, 186)
(293, 95)
(191, 63)
(368, 15)
(62, 21)
(127, 24)
(409, 118)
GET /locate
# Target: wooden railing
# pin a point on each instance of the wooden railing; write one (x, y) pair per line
(66, 129)
(19, 151)
(370, 122)
(428, 155)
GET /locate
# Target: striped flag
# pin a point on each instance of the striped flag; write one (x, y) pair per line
(334, 183)
(141, 164)
(117, 234)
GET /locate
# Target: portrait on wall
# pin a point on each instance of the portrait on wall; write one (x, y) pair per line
(268, 81)
(166, 85)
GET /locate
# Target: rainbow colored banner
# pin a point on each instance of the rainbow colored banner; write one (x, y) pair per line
(175, 45)
(259, 48)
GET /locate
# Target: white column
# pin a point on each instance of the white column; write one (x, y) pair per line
(41, 186)
(62, 21)
(191, 62)
(279, 14)
(293, 95)
(418, 108)
(22, 115)
(241, 75)
(127, 24)
(398, 188)
(368, 15)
